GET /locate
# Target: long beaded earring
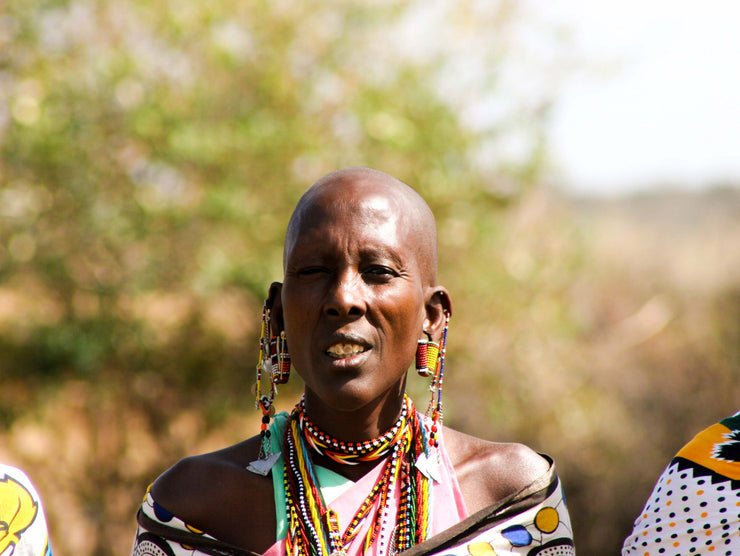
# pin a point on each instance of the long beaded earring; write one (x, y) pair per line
(430, 363)
(274, 362)
(436, 357)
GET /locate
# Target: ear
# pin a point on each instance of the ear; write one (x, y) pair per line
(275, 304)
(438, 305)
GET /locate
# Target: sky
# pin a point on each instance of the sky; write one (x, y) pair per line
(658, 102)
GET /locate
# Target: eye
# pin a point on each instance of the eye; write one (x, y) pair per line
(379, 272)
(311, 270)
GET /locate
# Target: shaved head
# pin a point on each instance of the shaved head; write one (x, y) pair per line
(366, 192)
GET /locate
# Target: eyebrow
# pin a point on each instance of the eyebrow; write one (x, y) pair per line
(382, 252)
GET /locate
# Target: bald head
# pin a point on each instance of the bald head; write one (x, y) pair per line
(364, 193)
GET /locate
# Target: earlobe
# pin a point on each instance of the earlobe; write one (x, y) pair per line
(438, 308)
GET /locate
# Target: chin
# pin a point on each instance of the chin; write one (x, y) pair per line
(352, 395)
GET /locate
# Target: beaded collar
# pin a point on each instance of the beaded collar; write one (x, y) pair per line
(351, 453)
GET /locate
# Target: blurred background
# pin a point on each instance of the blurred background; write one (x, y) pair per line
(581, 163)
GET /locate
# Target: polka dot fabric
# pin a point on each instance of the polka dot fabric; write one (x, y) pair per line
(695, 505)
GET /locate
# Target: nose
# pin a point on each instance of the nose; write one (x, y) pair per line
(345, 297)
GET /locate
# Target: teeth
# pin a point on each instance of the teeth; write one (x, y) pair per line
(344, 350)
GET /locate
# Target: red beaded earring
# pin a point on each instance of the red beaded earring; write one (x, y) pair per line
(427, 352)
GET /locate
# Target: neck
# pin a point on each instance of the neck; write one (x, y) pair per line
(357, 461)
(356, 424)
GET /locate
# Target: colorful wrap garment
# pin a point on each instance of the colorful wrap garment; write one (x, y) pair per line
(695, 505)
(535, 521)
(23, 529)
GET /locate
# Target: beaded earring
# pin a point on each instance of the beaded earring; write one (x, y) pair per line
(427, 352)
(436, 365)
(281, 362)
(273, 361)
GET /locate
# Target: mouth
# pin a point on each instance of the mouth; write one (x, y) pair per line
(345, 350)
(345, 346)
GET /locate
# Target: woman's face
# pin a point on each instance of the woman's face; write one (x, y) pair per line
(353, 299)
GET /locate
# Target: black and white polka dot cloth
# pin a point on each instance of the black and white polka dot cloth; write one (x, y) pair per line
(695, 506)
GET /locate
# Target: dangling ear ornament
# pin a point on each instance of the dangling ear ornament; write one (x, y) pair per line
(430, 362)
(430, 357)
(271, 363)
(266, 459)
(427, 353)
(281, 363)
(429, 465)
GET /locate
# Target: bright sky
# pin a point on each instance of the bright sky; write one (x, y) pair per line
(665, 108)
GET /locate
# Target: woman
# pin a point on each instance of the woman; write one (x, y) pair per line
(355, 469)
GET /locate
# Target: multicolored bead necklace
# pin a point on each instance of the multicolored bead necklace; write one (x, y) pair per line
(313, 528)
(351, 453)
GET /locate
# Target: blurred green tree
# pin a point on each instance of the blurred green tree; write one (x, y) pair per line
(151, 152)
(150, 155)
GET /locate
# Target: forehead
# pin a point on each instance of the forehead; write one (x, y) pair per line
(370, 205)
(344, 218)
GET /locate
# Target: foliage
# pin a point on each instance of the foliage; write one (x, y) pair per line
(151, 152)
(154, 150)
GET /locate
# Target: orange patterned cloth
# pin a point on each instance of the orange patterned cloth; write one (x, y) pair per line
(695, 505)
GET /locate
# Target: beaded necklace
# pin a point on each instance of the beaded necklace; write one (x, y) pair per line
(351, 453)
(313, 528)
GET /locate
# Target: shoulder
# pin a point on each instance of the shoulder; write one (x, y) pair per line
(216, 494)
(488, 472)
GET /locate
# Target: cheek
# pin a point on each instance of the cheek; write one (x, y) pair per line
(295, 306)
(294, 317)
(408, 323)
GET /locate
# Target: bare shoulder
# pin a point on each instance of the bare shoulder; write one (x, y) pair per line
(215, 493)
(490, 471)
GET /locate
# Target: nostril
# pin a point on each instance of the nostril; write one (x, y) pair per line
(355, 311)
